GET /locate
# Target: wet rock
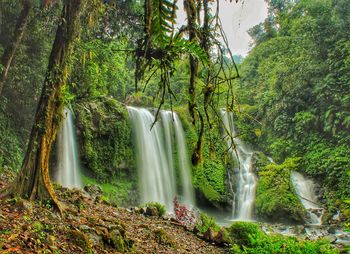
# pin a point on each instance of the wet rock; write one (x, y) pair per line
(210, 235)
(331, 229)
(330, 238)
(298, 230)
(151, 211)
(221, 237)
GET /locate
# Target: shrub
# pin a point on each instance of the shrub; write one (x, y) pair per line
(205, 222)
(184, 215)
(250, 239)
(241, 232)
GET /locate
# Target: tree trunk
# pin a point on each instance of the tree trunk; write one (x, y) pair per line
(33, 181)
(10, 50)
(192, 22)
(191, 12)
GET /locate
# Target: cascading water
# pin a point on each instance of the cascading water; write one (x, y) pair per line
(68, 170)
(305, 189)
(184, 163)
(154, 154)
(244, 198)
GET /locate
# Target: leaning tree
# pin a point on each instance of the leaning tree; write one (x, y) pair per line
(33, 181)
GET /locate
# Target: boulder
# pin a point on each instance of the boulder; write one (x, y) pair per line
(116, 239)
(152, 211)
(93, 190)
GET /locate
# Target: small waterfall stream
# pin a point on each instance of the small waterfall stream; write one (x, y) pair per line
(155, 151)
(305, 189)
(244, 197)
(68, 168)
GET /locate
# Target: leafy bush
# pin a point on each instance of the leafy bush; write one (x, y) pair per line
(241, 232)
(160, 208)
(250, 239)
(205, 222)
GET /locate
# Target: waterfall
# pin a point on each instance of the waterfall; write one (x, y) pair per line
(155, 149)
(305, 189)
(244, 198)
(184, 163)
(68, 170)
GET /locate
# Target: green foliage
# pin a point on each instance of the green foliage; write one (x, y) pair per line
(275, 195)
(208, 177)
(297, 80)
(162, 237)
(249, 238)
(100, 70)
(241, 232)
(160, 208)
(10, 150)
(206, 222)
(119, 191)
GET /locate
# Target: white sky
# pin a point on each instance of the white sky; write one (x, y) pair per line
(236, 18)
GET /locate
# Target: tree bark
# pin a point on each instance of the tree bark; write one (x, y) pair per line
(33, 181)
(191, 12)
(10, 50)
(192, 22)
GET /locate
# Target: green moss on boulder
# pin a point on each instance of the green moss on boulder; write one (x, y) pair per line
(106, 149)
(105, 137)
(276, 199)
(209, 176)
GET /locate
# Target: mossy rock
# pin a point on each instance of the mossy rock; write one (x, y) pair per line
(106, 149)
(105, 137)
(276, 200)
(81, 239)
(163, 238)
(209, 175)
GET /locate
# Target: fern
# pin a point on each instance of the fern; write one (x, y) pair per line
(163, 20)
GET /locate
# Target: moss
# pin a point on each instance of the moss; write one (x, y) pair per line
(118, 192)
(209, 176)
(104, 135)
(117, 240)
(276, 199)
(163, 238)
(80, 239)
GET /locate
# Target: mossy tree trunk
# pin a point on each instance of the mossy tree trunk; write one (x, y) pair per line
(10, 50)
(193, 20)
(33, 181)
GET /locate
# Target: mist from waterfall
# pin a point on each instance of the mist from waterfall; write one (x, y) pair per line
(305, 189)
(244, 195)
(159, 175)
(68, 165)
